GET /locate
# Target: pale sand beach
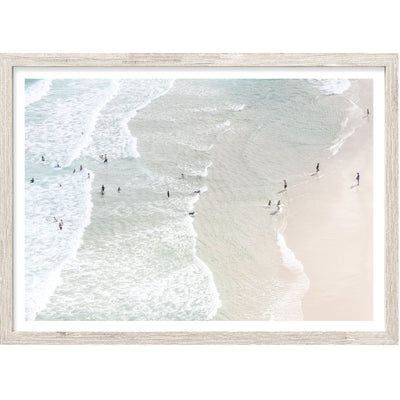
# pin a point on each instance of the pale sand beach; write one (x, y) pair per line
(330, 228)
(326, 221)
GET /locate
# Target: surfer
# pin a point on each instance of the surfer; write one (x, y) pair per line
(358, 179)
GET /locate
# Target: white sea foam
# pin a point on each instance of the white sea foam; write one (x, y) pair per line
(331, 86)
(288, 257)
(37, 91)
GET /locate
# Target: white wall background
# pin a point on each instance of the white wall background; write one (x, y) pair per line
(199, 372)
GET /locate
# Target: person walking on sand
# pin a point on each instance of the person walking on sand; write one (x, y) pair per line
(269, 203)
(358, 179)
(317, 168)
(284, 184)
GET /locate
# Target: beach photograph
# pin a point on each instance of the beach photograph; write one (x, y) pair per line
(198, 199)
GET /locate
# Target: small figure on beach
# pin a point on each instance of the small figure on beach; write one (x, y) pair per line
(168, 193)
(101, 156)
(55, 219)
(119, 190)
(32, 180)
(197, 191)
(57, 166)
(61, 222)
(269, 203)
(182, 176)
(43, 158)
(60, 226)
(317, 168)
(358, 179)
(102, 188)
(88, 175)
(74, 171)
(367, 112)
(105, 158)
(278, 205)
(80, 168)
(284, 184)
(192, 214)
(102, 192)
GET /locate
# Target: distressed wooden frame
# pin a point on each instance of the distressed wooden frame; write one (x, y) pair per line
(390, 64)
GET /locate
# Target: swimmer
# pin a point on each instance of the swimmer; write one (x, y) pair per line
(32, 180)
(57, 166)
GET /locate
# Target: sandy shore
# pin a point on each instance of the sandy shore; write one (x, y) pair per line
(330, 227)
(326, 222)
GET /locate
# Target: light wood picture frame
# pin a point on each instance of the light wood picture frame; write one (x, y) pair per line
(8, 333)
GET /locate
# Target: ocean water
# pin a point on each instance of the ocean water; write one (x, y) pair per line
(131, 255)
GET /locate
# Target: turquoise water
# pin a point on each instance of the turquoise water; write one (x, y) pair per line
(131, 255)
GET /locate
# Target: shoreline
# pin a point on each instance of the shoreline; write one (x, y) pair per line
(317, 218)
(329, 213)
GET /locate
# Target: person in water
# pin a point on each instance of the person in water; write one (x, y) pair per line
(119, 189)
(317, 168)
(80, 168)
(102, 188)
(105, 158)
(43, 158)
(284, 184)
(358, 179)
(32, 180)
(74, 171)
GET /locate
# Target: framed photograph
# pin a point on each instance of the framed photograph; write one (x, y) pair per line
(199, 199)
